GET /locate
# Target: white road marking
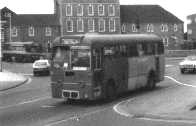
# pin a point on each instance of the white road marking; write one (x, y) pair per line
(48, 106)
(76, 117)
(25, 102)
(124, 113)
(188, 85)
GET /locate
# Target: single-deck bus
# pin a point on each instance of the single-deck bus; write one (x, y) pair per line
(102, 66)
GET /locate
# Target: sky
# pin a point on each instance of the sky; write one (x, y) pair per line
(180, 8)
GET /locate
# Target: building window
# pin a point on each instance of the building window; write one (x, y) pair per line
(79, 10)
(91, 25)
(150, 28)
(14, 32)
(165, 41)
(69, 24)
(90, 10)
(101, 10)
(164, 28)
(189, 31)
(189, 21)
(101, 25)
(80, 25)
(111, 10)
(123, 28)
(134, 29)
(112, 25)
(31, 31)
(48, 31)
(175, 27)
(69, 10)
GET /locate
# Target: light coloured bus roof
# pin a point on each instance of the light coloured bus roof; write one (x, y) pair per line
(110, 38)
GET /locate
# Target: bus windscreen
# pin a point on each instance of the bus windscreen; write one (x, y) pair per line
(80, 59)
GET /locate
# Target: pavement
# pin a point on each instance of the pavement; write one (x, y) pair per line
(9, 80)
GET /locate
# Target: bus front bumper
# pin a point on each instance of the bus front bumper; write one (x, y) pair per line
(74, 91)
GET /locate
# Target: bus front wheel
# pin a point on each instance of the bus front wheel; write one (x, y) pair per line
(151, 84)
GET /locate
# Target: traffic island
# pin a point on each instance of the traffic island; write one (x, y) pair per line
(9, 80)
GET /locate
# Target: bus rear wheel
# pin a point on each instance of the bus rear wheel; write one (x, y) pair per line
(151, 84)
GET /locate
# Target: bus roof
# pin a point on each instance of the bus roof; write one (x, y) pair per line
(109, 38)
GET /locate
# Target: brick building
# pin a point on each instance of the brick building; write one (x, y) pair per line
(94, 16)
(87, 16)
(6, 15)
(41, 28)
(191, 27)
(152, 19)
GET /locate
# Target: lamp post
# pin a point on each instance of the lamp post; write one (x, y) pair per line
(0, 45)
(10, 21)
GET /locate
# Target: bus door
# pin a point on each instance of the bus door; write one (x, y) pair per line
(142, 66)
(97, 65)
(132, 66)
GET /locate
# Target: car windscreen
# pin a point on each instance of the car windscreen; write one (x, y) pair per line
(41, 64)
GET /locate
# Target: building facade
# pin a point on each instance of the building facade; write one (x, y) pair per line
(94, 16)
(191, 27)
(6, 19)
(88, 16)
(152, 19)
(40, 28)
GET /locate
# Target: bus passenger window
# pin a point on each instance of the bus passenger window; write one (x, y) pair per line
(97, 58)
(140, 50)
(132, 50)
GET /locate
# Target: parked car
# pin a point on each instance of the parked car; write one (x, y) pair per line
(188, 64)
(41, 67)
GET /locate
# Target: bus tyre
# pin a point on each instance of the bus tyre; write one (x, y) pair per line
(151, 82)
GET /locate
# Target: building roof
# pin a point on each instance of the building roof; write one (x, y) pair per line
(5, 9)
(146, 14)
(35, 19)
(191, 16)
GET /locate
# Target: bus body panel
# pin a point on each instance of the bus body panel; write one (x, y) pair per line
(132, 73)
(146, 64)
(116, 69)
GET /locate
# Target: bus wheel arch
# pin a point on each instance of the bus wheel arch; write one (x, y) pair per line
(151, 81)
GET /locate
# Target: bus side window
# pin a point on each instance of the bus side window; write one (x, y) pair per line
(97, 58)
(132, 50)
(123, 50)
(140, 49)
(149, 49)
